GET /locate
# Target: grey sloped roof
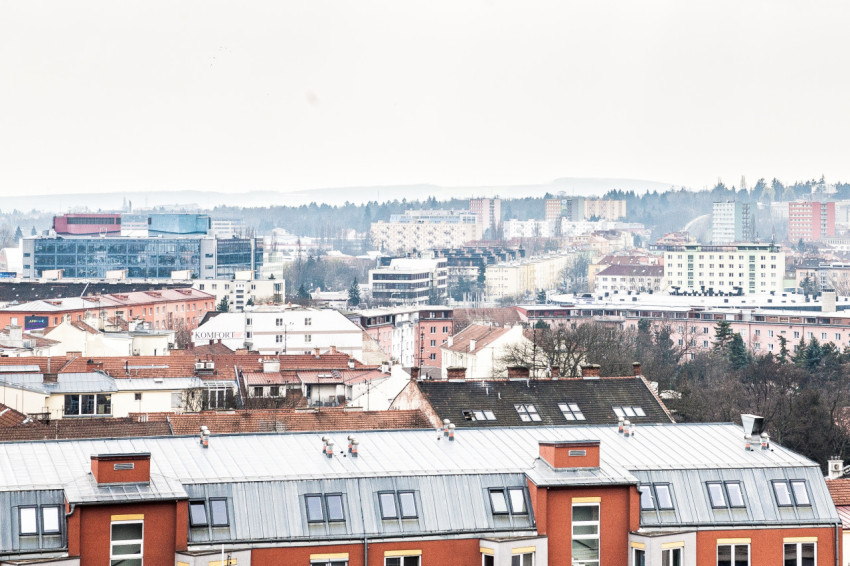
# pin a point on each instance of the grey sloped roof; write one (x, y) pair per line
(280, 467)
(284, 515)
(595, 397)
(85, 382)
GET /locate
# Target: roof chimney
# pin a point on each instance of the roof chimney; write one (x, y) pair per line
(555, 372)
(456, 373)
(519, 372)
(414, 373)
(316, 352)
(570, 453)
(637, 367)
(350, 363)
(835, 468)
(590, 371)
(451, 341)
(332, 349)
(471, 345)
(121, 468)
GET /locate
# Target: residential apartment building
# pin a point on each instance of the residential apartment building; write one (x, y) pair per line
(518, 278)
(629, 278)
(409, 281)
(411, 337)
(811, 221)
(488, 212)
(159, 310)
(576, 209)
(541, 496)
(742, 268)
(731, 222)
(531, 228)
(604, 209)
(479, 351)
(243, 290)
(418, 230)
(273, 331)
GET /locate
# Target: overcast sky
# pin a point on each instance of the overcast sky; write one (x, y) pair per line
(294, 94)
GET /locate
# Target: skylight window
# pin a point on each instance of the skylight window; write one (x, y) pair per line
(656, 496)
(725, 494)
(629, 411)
(315, 512)
(715, 493)
(198, 513)
(396, 505)
(790, 494)
(527, 412)
(324, 508)
(218, 512)
(508, 501)
(571, 411)
(801, 495)
(407, 504)
(479, 415)
(334, 503)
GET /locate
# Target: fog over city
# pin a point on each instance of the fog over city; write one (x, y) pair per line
(150, 95)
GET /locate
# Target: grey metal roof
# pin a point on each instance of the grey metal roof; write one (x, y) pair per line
(281, 468)
(97, 382)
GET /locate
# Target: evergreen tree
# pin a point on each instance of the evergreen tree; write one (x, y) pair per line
(722, 335)
(541, 297)
(303, 294)
(354, 294)
(34, 232)
(813, 355)
(18, 234)
(737, 353)
(799, 357)
(223, 305)
(783, 350)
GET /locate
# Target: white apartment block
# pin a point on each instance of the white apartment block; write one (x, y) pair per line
(283, 331)
(730, 222)
(515, 279)
(750, 268)
(624, 278)
(409, 281)
(243, 290)
(529, 228)
(426, 229)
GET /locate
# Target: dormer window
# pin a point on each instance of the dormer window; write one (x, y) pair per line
(791, 493)
(656, 496)
(629, 411)
(479, 415)
(510, 501)
(725, 494)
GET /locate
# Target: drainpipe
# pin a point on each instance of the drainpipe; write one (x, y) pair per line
(366, 551)
(837, 534)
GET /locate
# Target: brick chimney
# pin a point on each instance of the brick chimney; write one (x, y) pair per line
(636, 365)
(332, 350)
(121, 468)
(414, 373)
(571, 453)
(555, 372)
(519, 372)
(590, 371)
(456, 373)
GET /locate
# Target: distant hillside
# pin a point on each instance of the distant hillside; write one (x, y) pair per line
(194, 199)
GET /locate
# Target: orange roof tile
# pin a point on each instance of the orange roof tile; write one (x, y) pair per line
(839, 490)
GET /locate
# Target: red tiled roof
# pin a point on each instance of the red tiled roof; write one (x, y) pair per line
(214, 349)
(277, 378)
(839, 489)
(483, 336)
(10, 417)
(271, 420)
(503, 316)
(85, 428)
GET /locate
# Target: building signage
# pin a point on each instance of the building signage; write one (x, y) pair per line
(221, 335)
(8, 274)
(35, 322)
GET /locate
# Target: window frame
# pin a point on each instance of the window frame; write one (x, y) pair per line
(524, 510)
(518, 558)
(527, 415)
(321, 508)
(21, 509)
(598, 523)
(787, 486)
(203, 504)
(575, 414)
(724, 504)
(141, 541)
(500, 491)
(389, 560)
(341, 518)
(396, 512)
(58, 511)
(401, 507)
(804, 483)
(732, 548)
(671, 552)
(212, 515)
(798, 550)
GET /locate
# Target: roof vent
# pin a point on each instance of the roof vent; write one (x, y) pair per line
(327, 447)
(352, 446)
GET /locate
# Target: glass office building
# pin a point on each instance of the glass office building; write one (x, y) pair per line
(143, 258)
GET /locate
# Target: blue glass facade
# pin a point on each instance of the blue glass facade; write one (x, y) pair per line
(235, 254)
(178, 224)
(141, 257)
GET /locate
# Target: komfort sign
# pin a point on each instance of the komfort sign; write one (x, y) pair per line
(218, 335)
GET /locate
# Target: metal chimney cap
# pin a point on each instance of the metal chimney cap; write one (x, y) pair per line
(753, 424)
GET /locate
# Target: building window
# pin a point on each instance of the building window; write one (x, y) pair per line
(800, 554)
(638, 557)
(571, 411)
(198, 513)
(433, 343)
(725, 494)
(791, 493)
(527, 412)
(671, 557)
(397, 504)
(126, 543)
(274, 391)
(445, 329)
(218, 512)
(630, 411)
(278, 338)
(433, 329)
(258, 392)
(28, 521)
(137, 396)
(328, 562)
(433, 356)
(733, 555)
(88, 404)
(402, 561)
(278, 322)
(308, 322)
(656, 496)
(315, 511)
(308, 338)
(510, 501)
(524, 559)
(585, 534)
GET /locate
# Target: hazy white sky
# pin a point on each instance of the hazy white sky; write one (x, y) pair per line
(100, 95)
